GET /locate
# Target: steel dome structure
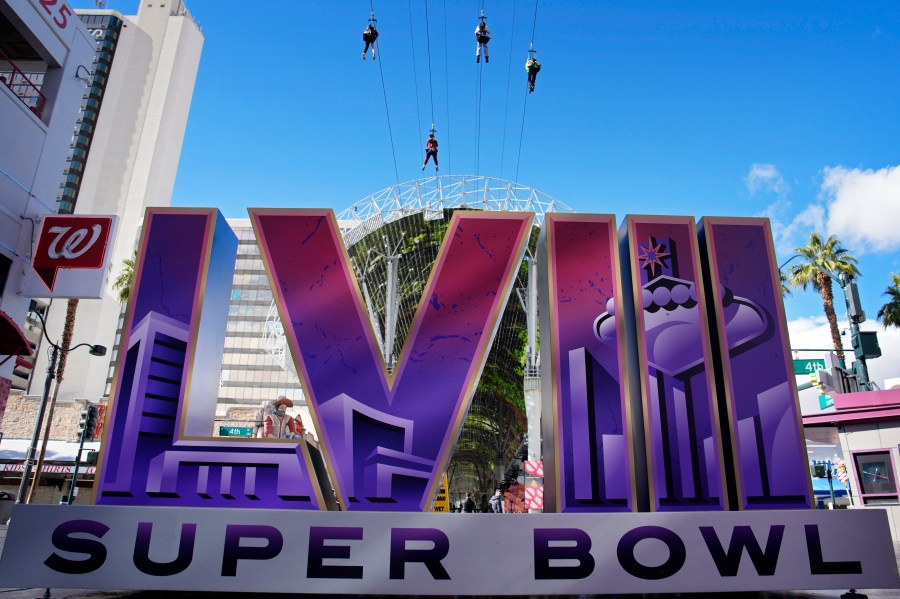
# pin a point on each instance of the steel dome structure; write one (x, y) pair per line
(393, 237)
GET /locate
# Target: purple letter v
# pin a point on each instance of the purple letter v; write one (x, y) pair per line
(387, 438)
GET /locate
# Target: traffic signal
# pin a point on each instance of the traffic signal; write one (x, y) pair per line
(88, 425)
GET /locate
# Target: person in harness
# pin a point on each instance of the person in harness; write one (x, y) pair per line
(431, 151)
(533, 67)
(482, 36)
(369, 36)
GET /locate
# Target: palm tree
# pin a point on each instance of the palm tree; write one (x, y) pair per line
(889, 314)
(824, 258)
(122, 284)
(785, 289)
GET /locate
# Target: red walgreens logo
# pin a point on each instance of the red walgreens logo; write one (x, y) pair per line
(70, 242)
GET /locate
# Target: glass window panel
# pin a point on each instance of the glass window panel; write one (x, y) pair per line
(876, 473)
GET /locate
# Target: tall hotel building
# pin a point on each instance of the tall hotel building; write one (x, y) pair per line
(43, 51)
(124, 154)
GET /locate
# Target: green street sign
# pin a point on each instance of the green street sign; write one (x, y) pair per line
(825, 401)
(235, 431)
(808, 366)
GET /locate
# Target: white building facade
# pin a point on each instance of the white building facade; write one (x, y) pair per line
(133, 141)
(45, 52)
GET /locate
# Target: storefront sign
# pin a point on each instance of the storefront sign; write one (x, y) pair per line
(50, 469)
(71, 257)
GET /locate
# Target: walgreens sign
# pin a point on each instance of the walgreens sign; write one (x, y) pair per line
(71, 257)
(672, 441)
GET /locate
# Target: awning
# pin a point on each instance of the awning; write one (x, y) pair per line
(12, 339)
(821, 488)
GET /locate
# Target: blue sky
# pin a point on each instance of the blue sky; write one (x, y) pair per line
(784, 109)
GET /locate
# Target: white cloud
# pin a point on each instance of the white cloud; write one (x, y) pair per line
(814, 333)
(788, 231)
(864, 206)
(765, 177)
(795, 233)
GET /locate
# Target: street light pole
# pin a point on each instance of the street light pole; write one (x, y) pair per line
(32, 449)
(854, 314)
(55, 352)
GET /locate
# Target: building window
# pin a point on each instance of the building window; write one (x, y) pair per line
(875, 476)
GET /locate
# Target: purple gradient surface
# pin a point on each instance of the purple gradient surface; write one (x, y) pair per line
(770, 453)
(145, 460)
(681, 421)
(589, 403)
(388, 439)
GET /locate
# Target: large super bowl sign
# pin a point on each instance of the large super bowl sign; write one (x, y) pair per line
(672, 440)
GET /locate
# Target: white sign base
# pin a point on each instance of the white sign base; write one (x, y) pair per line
(202, 549)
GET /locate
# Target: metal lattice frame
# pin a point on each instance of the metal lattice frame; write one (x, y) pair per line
(395, 234)
(433, 195)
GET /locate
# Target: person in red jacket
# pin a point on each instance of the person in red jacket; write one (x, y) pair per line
(431, 151)
(279, 425)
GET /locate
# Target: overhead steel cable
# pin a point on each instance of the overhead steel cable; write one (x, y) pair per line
(428, 39)
(512, 36)
(447, 82)
(525, 107)
(386, 110)
(479, 79)
(412, 46)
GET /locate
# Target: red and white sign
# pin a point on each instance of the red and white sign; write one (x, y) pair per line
(534, 497)
(71, 258)
(535, 468)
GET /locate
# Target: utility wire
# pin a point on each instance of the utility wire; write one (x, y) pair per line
(386, 111)
(512, 36)
(428, 38)
(478, 94)
(412, 45)
(525, 107)
(447, 83)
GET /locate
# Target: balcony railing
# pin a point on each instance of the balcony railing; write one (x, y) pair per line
(28, 92)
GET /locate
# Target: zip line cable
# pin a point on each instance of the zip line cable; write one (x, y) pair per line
(512, 36)
(428, 39)
(525, 107)
(534, 24)
(386, 111)
(478, 89)
(412, 46)
(447, 83)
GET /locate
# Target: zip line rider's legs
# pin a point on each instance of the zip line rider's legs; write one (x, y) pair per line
(532, 76)
(478, 52)
(430, 154)
(366, 49)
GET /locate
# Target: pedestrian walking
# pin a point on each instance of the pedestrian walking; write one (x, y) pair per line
(497, 502)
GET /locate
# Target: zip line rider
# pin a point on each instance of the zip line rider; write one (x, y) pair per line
(482, 36)
(533, 67)
(369, 36)
(431, 150)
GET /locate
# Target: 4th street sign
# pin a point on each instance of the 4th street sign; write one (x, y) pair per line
(808, 366)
